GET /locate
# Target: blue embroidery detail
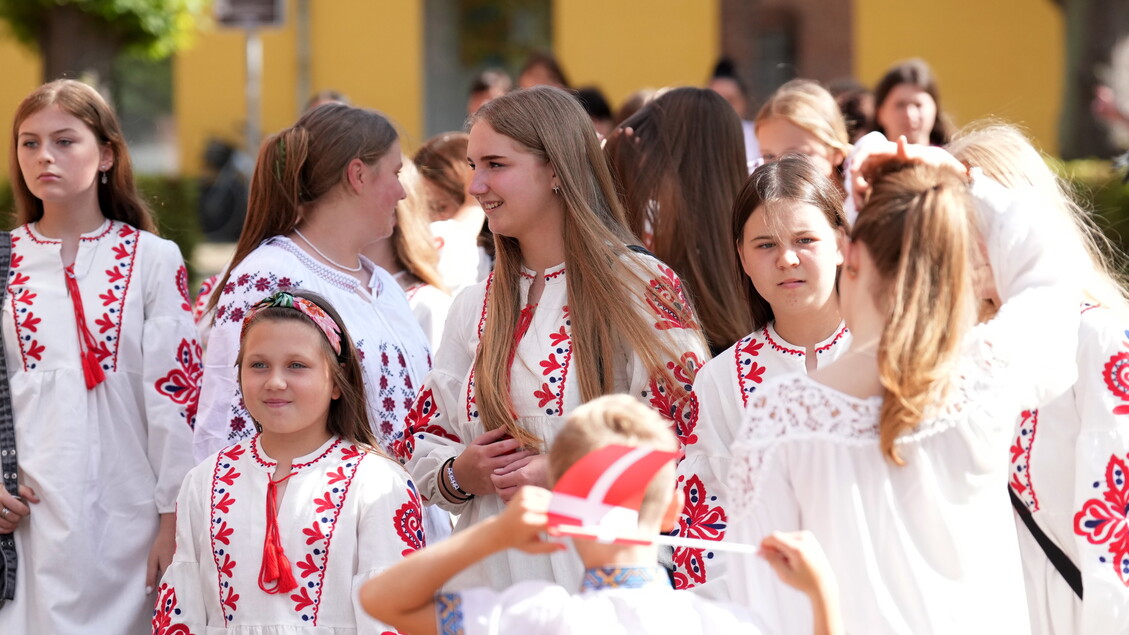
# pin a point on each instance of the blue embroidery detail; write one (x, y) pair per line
(449, 610)
(599, 578)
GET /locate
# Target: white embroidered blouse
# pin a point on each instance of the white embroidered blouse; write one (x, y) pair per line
(929, 546)
(344, 516)
(543, 388)
(723, 389)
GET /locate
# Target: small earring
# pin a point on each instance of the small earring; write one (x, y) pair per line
(556, 189)
(104, 179)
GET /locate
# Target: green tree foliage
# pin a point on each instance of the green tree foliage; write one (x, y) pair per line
(154, 28)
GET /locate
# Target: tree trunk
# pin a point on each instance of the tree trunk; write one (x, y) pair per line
(1093, 29)
(78, 45)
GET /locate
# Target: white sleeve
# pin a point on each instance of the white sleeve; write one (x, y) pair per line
(1100, 488)
(180, 595)
(389, 527)
(431, 434)
(1037, 276)
(171, 368)
(702, 475)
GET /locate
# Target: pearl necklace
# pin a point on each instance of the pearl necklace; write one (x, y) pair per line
(327, 258)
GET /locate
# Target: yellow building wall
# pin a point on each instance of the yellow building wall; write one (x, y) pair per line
(1003, 58)
(371, 51)
(624, 46)
(22, 74)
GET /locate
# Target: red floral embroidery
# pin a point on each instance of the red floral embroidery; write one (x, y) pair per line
(667, 300)
(182, 286)
(182, 385)
(231, 599)
(165, 612)
(302, 599)
(223, 534)
(307, 566)
(1116, 376)
(313, 533)
(1020, 481)
(409, 522)
(35, 350)
(418, 424)
(702, 520)
(323, 504)
(1103, 521)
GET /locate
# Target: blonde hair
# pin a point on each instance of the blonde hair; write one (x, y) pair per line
(1006, 155)
(618, 420)
(602, 271)
(412, 243)
(808, 106)
(917, 228)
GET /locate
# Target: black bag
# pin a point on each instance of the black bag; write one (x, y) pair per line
(8, 466)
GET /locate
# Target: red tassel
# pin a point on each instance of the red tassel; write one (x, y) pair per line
(276, 568)
(91, 368)
(524, 319)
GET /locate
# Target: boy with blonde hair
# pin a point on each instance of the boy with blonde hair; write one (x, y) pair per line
(624, 589)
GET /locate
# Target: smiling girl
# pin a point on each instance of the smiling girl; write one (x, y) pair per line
(787, 226)
(570, 313)
(103, 364)
(337, 510)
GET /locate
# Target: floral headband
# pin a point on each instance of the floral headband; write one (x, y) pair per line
(307, 308)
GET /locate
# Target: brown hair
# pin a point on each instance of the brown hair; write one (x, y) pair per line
(808, 106)
(619, 420)
(680, 171)
(602, 270)
(548, 62)
(412, 244)
(917, 228)
(348, 414)
(299, 165)
(442, 161)
(792, 178)
(915, 72)
(118, 199)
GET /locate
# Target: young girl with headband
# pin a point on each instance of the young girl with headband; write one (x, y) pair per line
(337, 510)
(571, 312)
(787, 228)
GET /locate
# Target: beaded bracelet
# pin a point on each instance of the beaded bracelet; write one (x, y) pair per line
(445, 484)
(450, 469)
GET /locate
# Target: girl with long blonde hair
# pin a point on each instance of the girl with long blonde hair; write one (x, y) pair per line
(570, 313)
(891, 456)
(1065, 457)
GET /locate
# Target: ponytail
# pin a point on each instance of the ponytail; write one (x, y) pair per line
(273, 207)
(916, 228)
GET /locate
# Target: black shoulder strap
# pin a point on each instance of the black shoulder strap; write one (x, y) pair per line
(8, 465)
(1060, 560)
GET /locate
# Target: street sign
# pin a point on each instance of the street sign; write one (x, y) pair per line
(249, 14)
